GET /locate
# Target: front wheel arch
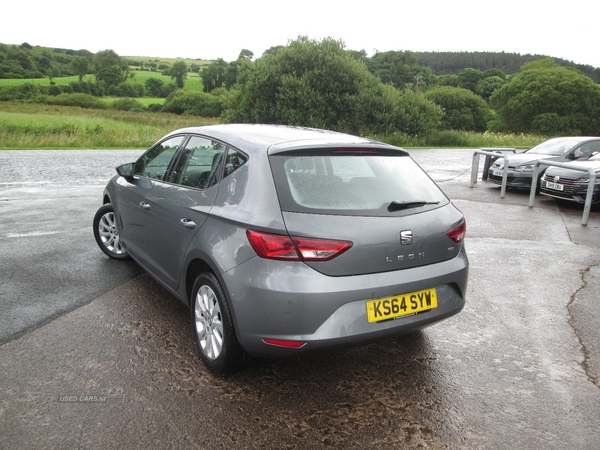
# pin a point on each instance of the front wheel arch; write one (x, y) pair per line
(106, 233)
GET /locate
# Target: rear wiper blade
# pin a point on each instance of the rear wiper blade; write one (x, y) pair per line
(398, 206)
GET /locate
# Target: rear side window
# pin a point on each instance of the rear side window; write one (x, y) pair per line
(352, 184)
(234, 160)
(199, 163)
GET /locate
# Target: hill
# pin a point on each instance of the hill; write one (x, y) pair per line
(26, 61)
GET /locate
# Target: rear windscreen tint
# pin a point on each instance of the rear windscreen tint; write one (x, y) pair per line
(351, 184)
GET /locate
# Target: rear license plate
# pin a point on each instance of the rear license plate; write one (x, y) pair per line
(555, 186)
(401, 305)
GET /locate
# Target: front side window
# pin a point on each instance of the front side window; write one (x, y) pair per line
(155, 162)
(199, 163)
(353, 184)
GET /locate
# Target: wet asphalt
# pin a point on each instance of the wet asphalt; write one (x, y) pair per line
(95, 354)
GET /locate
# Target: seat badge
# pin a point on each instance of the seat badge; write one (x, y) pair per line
(556, 179)
(406, 237)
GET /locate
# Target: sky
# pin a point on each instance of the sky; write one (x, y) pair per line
(203, 29)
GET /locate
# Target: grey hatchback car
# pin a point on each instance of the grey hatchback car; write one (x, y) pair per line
(284, 240)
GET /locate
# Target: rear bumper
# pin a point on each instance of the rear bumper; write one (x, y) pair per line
(294, 302)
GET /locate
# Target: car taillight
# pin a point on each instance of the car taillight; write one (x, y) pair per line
(293, 248)
(457, 234)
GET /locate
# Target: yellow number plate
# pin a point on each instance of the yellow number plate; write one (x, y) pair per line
(401, 305)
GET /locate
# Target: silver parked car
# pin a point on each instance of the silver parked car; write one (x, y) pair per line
(561, 149)
(284, 240)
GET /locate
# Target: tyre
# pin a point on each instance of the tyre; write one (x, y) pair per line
(107, 233)
(213, 327)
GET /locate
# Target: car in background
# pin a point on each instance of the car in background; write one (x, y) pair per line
(521, 165)
(571, 184)
(285, 240)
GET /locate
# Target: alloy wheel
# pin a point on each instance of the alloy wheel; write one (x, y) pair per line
(209, 323)
(109, 234)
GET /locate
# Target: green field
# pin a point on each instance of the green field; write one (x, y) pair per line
(35, 126)
(60, 81)
(192, 83)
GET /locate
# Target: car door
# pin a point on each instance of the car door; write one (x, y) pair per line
(134, 204)
(180, 206)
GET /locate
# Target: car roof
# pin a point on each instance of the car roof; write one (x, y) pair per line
(574, 138)
(277, 138)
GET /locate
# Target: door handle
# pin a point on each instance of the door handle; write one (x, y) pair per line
(144, 206)
(187, 223)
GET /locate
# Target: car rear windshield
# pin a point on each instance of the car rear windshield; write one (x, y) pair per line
(353, 184)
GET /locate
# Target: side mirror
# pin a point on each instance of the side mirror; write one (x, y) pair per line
(126, 171)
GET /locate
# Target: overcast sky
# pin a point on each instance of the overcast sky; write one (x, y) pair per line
(220, 29)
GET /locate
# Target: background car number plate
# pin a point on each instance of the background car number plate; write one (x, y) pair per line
(555, 186)
(497, 173)
(401, 305)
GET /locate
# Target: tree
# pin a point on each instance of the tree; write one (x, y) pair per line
(22, 57)
(53, 72)
(319, 84)
(399, 68)
(193, 103)
(463, 110)
(245, 53)
(110, 69)
(494, 73)
(213, 76)
(549, 99)
(108, 58)
(272, 50)
(178, 72)
(110, 76)
(125, 89)
(487, 86)
(80, 66)
(154, 87)
(468, 78)
(448, 80)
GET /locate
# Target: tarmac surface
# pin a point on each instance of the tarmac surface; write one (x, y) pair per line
(97, 355)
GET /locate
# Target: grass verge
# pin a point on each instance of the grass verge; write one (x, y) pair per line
(39, 126)
(34, 126)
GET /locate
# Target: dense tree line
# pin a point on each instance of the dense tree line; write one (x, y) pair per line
(322, 84)
(444, 63)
